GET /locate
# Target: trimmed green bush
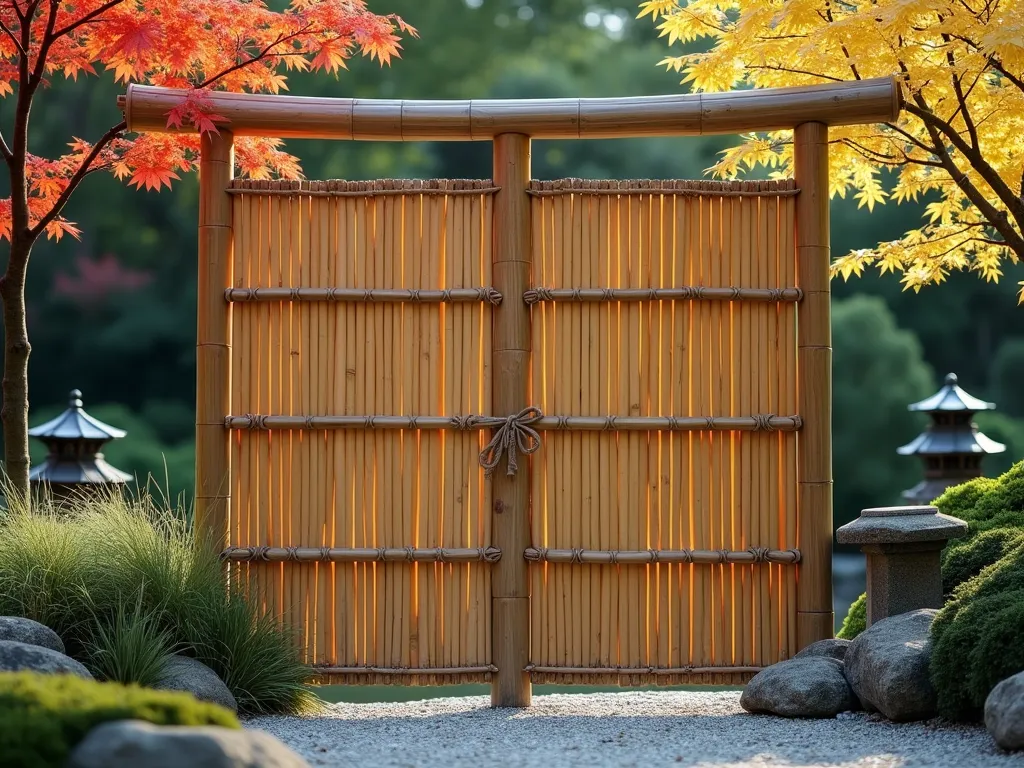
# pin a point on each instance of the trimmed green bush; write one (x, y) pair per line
(856, 619)
(965, 560)
(43, 717)
(76, 569)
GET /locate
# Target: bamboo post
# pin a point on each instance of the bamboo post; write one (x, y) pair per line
(815, 620)
(510, 351)
(213, 337)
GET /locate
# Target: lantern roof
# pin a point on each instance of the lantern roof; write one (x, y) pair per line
(76, 424)
(942, 442)
(951, 398)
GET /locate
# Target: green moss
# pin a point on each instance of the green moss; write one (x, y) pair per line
(966, 559)
(856, 619)
(43, 717)
(959, 500)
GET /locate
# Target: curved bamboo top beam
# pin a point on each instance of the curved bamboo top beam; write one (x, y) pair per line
(249, 114)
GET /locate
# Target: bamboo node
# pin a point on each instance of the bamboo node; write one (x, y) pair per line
(760, 554)
(763, 421)
(514, 434)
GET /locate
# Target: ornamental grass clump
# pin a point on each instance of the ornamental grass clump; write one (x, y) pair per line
(125, 581)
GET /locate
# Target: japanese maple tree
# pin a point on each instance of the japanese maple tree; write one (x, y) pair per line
(198, 45)
(959, 138)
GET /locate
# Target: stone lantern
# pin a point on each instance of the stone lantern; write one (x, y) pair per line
(951, 447)
(74, 463)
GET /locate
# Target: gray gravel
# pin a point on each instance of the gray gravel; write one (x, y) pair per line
(622, 729)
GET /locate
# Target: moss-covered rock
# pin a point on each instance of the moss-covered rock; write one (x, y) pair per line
(43, 717)
(856, 619)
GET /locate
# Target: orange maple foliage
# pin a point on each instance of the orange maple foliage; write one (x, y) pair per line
(200, 45)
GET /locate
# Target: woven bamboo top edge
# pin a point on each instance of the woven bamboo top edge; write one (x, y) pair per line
(338, 187)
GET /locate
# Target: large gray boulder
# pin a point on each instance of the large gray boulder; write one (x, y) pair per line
(29, 632)
(812, 687)
(182, 673)
(22, 657)
(133, 743)
(831, 648)
(887, 666)
(1004, 713)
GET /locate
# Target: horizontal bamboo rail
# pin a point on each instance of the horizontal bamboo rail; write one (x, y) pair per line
(489, 668)
(763, 109)
(362, 191)
(681, 189)
(535, 668)
(638, 557)
(683, 293)
(392, 295)
(361, 555)
(759, 423)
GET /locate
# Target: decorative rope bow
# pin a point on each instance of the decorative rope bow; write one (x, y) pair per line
(514, 434)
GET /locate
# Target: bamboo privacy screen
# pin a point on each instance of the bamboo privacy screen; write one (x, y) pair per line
(332, 349)
(655, 357)
(727, 494)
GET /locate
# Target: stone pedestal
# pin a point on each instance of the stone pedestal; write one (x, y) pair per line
(902, 545)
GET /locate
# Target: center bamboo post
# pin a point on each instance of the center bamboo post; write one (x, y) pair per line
(510, 496)
(213, 337)
(815, 617)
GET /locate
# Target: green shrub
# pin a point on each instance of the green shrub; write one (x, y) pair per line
(43, 717)
(75, 569)
(976, 637)
(856, 619)
(959, 500)
(966, 559)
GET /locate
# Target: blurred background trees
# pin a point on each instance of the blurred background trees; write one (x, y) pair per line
(114, 314)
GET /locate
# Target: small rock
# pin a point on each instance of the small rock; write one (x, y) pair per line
(182, 673)
(887, 667)
(1004, 713)
(813, 686)
(22, 657)
(133, 743)
(832, 649)
(29, 632)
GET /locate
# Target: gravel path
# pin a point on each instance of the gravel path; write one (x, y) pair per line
(702, 730)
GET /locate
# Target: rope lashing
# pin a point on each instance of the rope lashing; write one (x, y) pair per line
(539, 293)
(514, 435)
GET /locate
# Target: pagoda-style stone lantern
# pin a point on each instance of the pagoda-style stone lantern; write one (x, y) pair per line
(74, 463)
(952, 447)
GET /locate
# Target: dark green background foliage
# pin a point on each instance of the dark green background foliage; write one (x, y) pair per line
(114, 314)
(45, 716)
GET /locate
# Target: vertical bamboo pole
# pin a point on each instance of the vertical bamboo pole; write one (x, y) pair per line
(815, 620)
(213, 337)
(511, 256)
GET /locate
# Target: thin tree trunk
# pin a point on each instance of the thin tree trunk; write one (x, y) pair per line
(15, 381)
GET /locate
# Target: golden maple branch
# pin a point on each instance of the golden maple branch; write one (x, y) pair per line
(76, 179)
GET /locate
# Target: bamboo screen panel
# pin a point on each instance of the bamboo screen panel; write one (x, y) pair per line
(712, 490)
(303, 491)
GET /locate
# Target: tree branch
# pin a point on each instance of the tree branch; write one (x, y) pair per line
(87, 18)
(44, 47)
(76, 179)
(14, 39)
(935, 125)
(777, 68)
(959, 91)
(252, 60)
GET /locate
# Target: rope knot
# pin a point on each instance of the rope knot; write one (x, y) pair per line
(291, 554)
(325, 553)
(256, 421)
(261, 553)
(491, 295)
(538, 293)
(760, 554)
(577, 555)
(410, 554)
(490, 554)
(469, 421)
(763, 421)
(514, 435)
